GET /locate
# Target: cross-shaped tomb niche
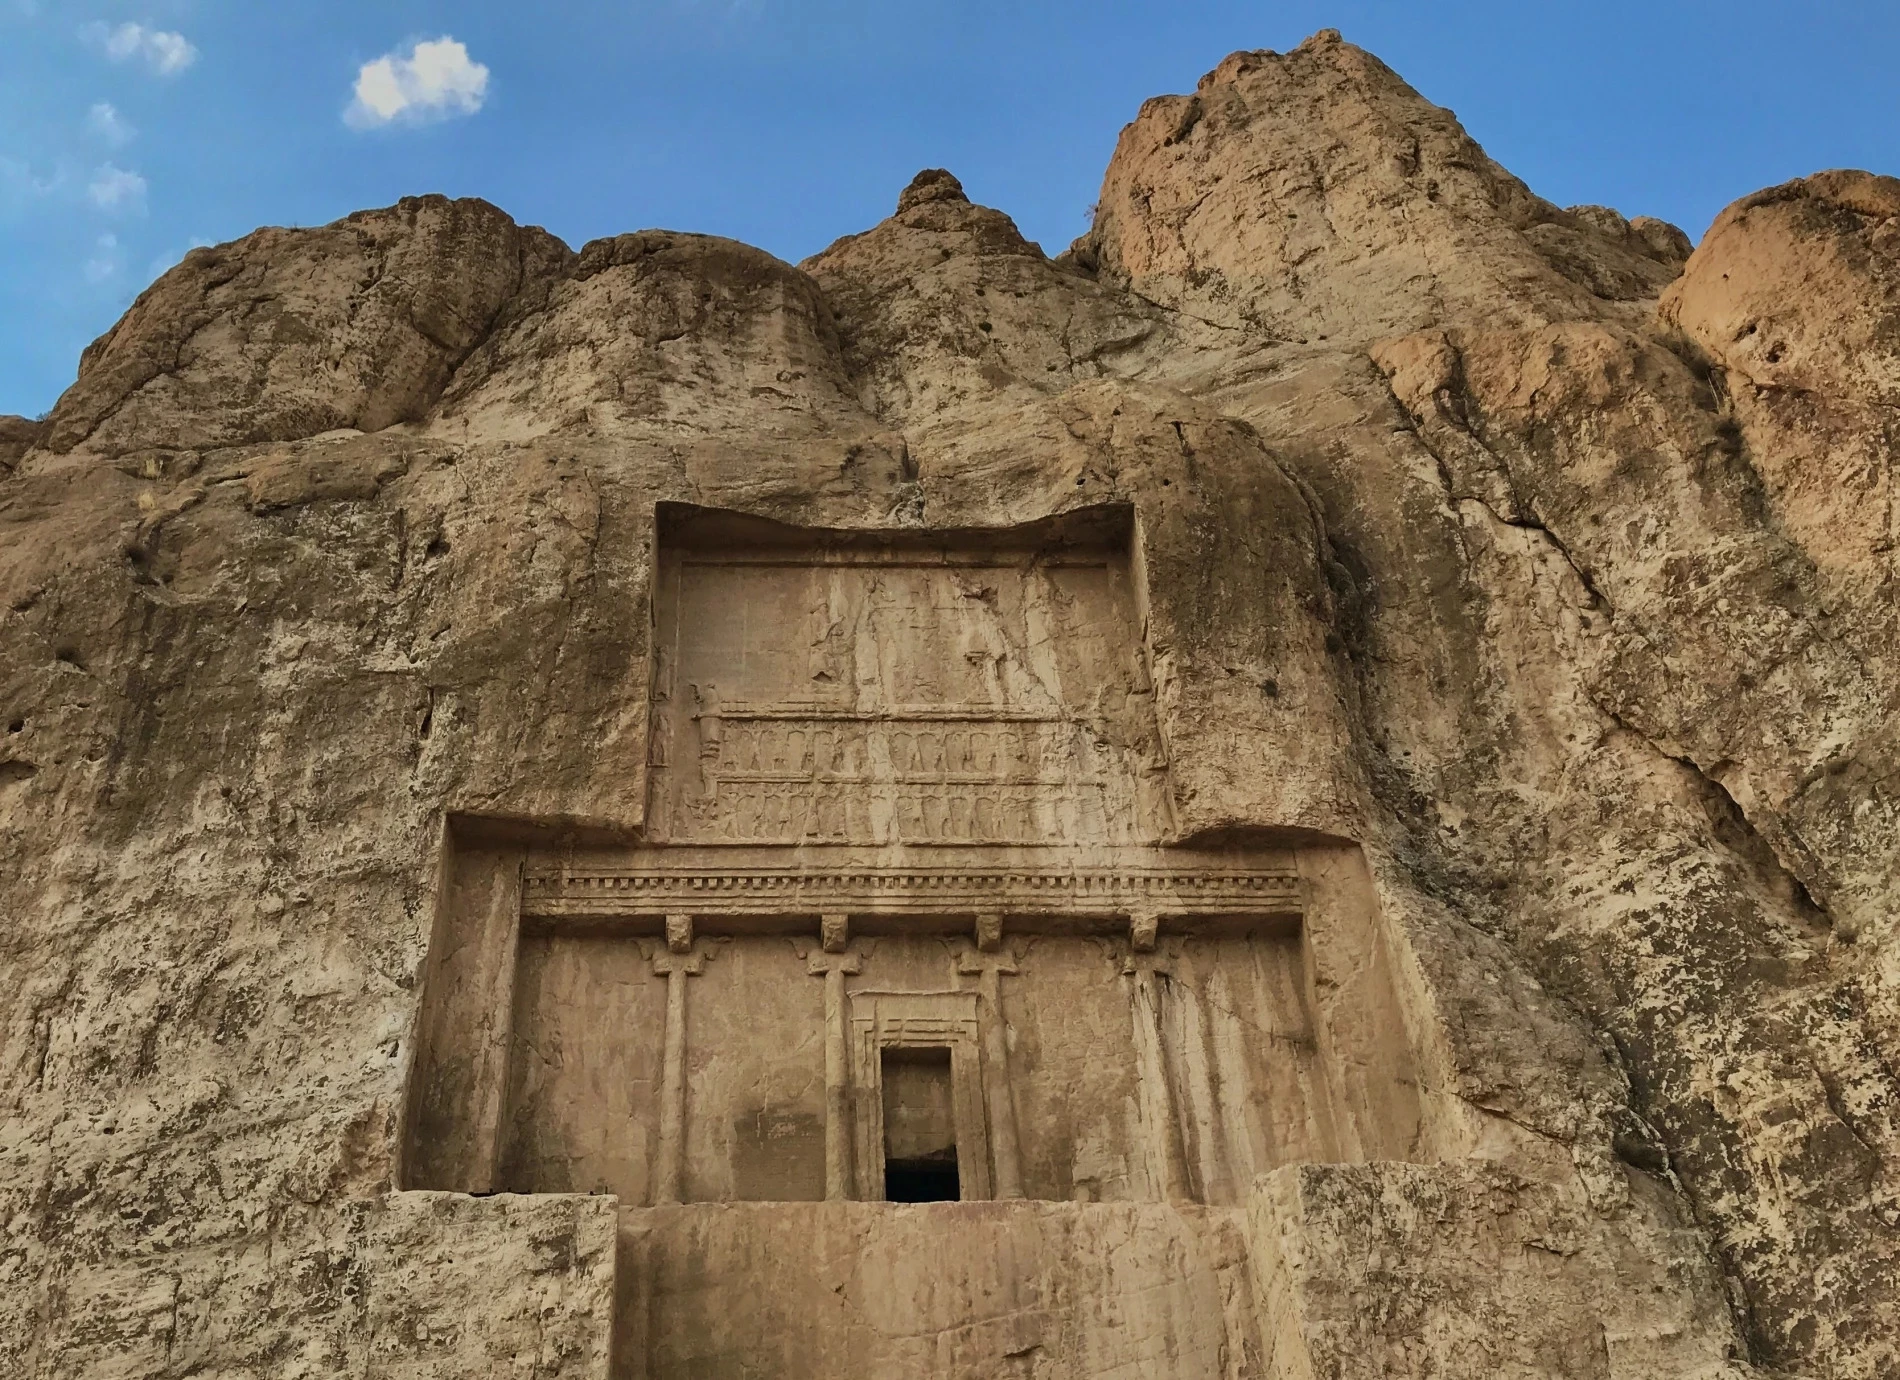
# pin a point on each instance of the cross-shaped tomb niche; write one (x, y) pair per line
(903, 922)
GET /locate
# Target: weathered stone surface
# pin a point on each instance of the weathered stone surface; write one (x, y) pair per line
(408, 1285)
(1386, 1269)
(17, 436)
(1314, 196)
(1525, 578)
(517, 1286)
(676, 334)
(288, 333)
(939, 1290)
(946, 309)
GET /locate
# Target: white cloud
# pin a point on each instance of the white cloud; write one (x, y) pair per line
(432, 81)
(165, 53)
(104, 262)
(104, 121)
(115, 189)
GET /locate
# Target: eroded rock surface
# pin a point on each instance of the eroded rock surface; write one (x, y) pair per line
(1314, 196)
(288, 333)
(1549, 563)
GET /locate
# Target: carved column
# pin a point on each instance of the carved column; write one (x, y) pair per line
(834, 965)
(990, 963)
(677, 962)
(1160, 1109)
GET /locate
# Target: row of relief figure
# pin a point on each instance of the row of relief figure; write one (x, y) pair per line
(1031, 752)
(764, 812)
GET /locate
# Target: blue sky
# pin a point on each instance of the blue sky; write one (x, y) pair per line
(130, 131)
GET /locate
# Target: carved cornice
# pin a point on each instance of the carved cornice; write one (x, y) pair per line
(632, 892)
(819, 712)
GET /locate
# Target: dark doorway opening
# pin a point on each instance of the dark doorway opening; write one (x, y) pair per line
(921, 1181)
(920, 1129)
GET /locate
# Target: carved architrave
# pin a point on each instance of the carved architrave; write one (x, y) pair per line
(1148, 883)
(919, 1020)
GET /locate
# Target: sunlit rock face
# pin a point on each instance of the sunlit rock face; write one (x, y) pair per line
(1307, 788)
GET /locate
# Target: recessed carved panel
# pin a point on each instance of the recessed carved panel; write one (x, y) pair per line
(906, 924)
(908, 803)
(840, 690)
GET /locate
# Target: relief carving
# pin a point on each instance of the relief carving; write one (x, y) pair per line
(898, 700)
(811, 705)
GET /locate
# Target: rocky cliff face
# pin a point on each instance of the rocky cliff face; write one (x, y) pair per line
(1552, 563)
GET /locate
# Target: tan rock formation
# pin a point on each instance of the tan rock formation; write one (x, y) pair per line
(1314, 197)
(17, 437)
(1345, 728)
(296, 332)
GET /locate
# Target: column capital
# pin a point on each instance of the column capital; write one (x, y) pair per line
(1144, 927)
(977, 961)
(679, 933)
(692, 962)
(821, 964)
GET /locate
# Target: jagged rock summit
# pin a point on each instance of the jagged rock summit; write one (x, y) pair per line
(1326, 757)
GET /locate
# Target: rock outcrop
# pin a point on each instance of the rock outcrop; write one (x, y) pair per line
(17, 436)
(1548, 562)
(291, 333)
(1314, 197)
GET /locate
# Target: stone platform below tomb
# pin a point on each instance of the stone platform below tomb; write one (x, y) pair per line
(1351, 1272)
(931, 1291)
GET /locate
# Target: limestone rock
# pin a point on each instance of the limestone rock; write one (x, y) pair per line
(1793, 287)
(1336, 1236)
(680, 333)
(1501, 595)
(17, 436)
(1795, 296)
(1315, 196)
(543, 1269)
(289, 333)
(946, 308)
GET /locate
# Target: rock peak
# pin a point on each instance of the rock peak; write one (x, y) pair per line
(932, 184)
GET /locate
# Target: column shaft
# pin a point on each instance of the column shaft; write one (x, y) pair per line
(1159, 1107)
(673, 1091)
(838, 1127)
(1004, 1149)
